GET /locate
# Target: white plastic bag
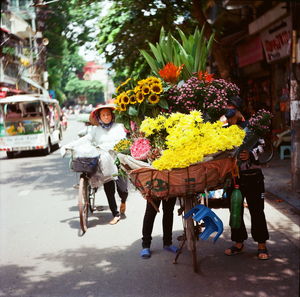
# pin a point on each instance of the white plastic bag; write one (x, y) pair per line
(107, 164)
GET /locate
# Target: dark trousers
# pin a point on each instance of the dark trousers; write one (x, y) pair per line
(122, 188)
(110, 190)
(167, 221)
(252, 187)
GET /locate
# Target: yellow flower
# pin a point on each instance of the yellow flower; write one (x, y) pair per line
(146, 89)
(137, 89)
(153, 98)
(139, 97)
(190, 138)
(125, 82)
(141, 82)
(122, 107)
(156, 88)
(125, 99)
(132, 99)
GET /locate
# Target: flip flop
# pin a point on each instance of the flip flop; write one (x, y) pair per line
(261, 252)
(145, 253)
(171, 248)
(235, 250)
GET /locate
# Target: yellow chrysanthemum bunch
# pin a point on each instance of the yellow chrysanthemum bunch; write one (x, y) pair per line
(189, 139)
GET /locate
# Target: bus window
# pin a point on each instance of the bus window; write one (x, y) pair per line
(13, 112)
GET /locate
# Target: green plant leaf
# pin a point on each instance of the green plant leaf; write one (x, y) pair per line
(163, 103)
(150, 61)
(132, 111)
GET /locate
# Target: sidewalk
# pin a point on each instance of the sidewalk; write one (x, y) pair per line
(278, 182)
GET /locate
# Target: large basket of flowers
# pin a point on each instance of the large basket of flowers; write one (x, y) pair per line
(172, 117)
(183, 182)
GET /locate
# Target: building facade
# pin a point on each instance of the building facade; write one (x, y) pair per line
(22, 61)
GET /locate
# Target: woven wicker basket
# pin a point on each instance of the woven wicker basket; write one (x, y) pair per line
(183, 182)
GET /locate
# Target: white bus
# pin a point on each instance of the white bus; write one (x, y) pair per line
(29, 122)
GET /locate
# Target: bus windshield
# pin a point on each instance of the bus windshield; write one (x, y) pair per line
(21, 118)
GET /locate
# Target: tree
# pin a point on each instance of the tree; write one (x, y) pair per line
(131, 24)
(66, 30)
(92, 90)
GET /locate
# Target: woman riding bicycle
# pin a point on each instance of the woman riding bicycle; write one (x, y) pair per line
(104, 134)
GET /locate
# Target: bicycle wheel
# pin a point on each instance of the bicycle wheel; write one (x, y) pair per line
(190, 232)
(268, 152)
(83, 203)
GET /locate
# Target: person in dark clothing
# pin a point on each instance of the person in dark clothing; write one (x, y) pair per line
(167, 224)
(251, 182)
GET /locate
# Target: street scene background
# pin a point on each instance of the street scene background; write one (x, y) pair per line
(43, 254)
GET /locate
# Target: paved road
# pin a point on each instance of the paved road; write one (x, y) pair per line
(43, 255)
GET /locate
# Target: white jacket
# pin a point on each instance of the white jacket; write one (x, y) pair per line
(105, 139)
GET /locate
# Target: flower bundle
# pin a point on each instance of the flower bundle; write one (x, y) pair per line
(123, 146)
(260, 122)
(189, 139)
(203, 93)
(134, 101)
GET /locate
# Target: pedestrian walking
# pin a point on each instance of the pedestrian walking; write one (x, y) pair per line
(105, 134)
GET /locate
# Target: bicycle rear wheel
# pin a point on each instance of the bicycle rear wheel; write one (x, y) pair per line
(83, 203)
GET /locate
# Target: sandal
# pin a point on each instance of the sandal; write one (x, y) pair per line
(261, 252)
(171, 248)
(235, 250)
(145, 253)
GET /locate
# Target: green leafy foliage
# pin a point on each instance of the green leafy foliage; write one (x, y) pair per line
(192, 51)
(131, 24)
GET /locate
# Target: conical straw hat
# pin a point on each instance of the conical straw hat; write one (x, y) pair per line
(93, 118)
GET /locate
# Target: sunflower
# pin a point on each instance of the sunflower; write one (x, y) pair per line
(153, 98)
(156, 88)
(137, 89)
(123, 107)
(132, 99)
(154, 80)
(146, 89)
(117, 100)
(139, 97)
(125, 99)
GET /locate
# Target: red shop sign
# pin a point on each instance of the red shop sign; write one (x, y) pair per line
(250, 52)
(277, 40)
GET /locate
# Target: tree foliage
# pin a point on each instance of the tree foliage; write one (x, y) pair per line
(131, 24)
(66, 30)
(93, 90)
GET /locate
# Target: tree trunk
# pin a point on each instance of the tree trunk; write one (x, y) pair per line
(217, 51)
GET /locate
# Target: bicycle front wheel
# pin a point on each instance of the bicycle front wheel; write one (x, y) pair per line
(83, 203)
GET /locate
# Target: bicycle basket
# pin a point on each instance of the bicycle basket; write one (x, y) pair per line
(88, 165)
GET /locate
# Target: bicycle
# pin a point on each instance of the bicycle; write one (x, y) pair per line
(86, 200)
(86, 192)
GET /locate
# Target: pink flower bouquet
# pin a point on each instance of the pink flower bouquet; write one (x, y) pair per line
(140, 148)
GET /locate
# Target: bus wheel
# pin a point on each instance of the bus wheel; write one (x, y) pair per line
(10, 155)
(47, 150)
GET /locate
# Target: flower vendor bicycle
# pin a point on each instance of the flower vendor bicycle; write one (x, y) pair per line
(86, 192)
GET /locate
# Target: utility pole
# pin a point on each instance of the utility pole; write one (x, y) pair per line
(295, 98)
